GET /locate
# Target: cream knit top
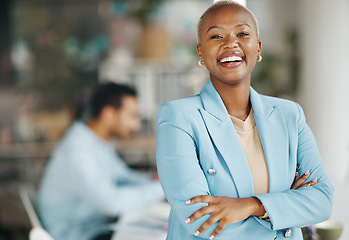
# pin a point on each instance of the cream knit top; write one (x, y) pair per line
(252, 146)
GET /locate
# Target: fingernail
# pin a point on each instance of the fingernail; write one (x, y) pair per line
(307, 172)
(197, 233)
(188, 201)
(212, 237)
(187, 220)
(315, 180)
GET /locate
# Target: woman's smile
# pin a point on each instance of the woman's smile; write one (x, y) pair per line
(231, 59)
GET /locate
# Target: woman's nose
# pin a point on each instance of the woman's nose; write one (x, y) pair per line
(231, 42)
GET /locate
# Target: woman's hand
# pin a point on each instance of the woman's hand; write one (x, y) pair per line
(225, 210)
(299, 182)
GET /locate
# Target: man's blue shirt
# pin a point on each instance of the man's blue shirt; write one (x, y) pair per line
(86, 181)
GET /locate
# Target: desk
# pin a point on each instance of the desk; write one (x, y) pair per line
(149, 224)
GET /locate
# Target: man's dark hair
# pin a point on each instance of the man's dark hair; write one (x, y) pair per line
(109, 94)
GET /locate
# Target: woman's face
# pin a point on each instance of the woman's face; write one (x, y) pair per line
(229, 45)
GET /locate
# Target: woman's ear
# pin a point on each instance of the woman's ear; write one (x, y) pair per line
(259, 47)
(198, 50)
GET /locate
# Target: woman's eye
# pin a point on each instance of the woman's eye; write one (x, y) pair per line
(243, 34)
(215, 37)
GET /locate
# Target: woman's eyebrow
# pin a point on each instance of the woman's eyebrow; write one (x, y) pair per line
(238, 25)
(243, 24)
(212, 28)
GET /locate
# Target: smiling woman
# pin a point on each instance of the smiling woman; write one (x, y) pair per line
(234, 163)
(229, 46)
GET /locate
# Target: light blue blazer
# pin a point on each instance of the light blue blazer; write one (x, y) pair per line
(196, 134)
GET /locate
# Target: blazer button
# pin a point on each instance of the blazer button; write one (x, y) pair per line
(288, 233)
(211, 171)
(298, 167)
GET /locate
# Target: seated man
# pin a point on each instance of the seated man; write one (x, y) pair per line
(86, 181)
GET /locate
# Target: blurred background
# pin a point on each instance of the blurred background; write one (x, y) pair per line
(53, 52)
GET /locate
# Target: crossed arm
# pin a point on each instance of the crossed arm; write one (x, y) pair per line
(227, 210)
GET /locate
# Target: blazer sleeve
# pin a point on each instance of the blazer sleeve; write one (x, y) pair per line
(308, 205)
(179, 170)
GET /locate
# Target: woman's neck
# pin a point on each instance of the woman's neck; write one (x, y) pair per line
(236, 98)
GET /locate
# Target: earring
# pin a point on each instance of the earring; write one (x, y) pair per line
(201, 63)
(259, 58)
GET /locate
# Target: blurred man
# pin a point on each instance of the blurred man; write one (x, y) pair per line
(86, 181)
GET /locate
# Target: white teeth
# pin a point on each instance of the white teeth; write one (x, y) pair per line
(231, 59)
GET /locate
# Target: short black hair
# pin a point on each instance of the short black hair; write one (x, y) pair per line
(109, 94)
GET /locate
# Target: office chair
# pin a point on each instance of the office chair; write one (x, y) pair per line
(37, 232)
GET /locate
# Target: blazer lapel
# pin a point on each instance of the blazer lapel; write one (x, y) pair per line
(272, 131)
(224, 137)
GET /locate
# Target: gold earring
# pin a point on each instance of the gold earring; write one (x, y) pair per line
(201, 63)
(259, 58)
